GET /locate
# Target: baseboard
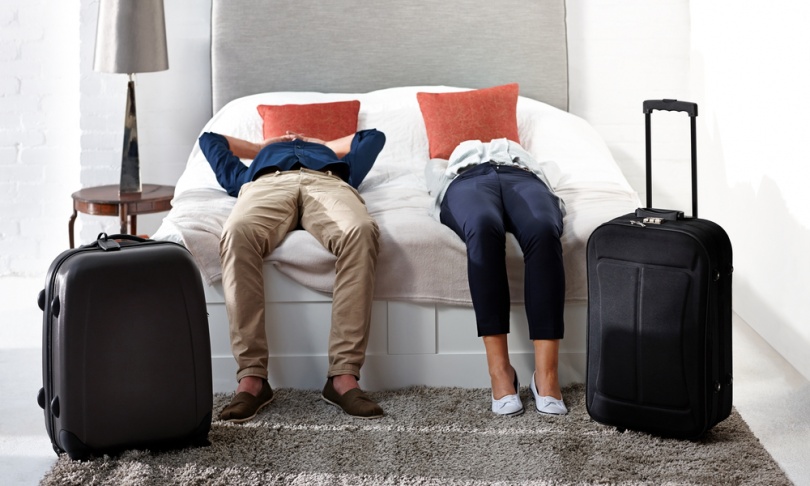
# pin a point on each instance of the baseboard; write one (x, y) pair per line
(388, 372)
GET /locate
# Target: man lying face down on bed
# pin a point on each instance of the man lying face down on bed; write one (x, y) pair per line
(295, 181)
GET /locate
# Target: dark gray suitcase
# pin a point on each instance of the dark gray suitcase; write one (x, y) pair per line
(126, 349)
(659, 315)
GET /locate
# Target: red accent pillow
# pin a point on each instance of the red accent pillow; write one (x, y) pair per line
(327, 121)
(483, 114)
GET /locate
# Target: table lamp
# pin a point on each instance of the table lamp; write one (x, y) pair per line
(130, 38)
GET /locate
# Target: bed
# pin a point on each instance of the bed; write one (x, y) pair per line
(382, 54)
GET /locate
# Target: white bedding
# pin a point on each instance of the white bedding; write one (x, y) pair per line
(420, 259)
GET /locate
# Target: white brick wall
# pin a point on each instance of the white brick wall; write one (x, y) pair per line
(39, 113)
(172, 107)
(102, 101)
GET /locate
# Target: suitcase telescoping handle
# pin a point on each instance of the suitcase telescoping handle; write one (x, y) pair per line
(672, 105)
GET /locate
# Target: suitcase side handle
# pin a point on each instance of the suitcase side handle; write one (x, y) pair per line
(671, 105)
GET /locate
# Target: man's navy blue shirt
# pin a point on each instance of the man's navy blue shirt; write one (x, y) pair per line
(232, 173)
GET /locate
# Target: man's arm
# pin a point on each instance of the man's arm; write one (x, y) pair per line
(242, 148)
(223, 153)
(359, 150)
(225, 164)
(249, 150)
(340, 146)
(365, 146)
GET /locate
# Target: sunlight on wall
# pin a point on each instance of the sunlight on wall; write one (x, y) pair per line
(750, 69)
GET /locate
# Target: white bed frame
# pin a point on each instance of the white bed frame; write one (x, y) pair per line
(360, 46)
(410, 343)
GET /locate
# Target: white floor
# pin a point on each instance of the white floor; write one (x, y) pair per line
(770, 395)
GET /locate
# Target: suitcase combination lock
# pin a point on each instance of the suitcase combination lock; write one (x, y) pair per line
(648, 220)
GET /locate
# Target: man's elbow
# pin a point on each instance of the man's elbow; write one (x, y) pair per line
(375, 140)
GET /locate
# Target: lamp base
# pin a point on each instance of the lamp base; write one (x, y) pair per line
(130, 162)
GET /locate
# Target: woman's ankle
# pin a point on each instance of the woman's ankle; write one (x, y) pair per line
(502, 382)
(547, 384)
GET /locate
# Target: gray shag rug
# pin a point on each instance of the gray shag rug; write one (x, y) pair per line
(433, 436)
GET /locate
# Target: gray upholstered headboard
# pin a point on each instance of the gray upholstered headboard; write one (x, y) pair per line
(355, 46)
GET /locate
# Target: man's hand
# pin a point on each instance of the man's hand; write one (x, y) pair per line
(281, 138)
(301, 136)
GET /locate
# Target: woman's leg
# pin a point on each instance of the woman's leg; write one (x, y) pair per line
(501, 373)
(533, 215)
(472, 207)
(546, 376)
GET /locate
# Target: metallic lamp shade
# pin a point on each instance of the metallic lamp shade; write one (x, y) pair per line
(131, 37)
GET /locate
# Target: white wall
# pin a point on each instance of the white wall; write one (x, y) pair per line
(61, 123)
(622, 52)
(172, 107)
(751, 70)
(39, 132)
(61, 126)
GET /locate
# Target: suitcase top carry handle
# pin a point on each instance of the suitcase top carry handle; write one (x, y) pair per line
(109, 243)
(672, 105)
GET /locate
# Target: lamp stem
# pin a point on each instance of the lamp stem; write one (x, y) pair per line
(130, 162)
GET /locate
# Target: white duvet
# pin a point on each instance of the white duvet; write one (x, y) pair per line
(420, 259)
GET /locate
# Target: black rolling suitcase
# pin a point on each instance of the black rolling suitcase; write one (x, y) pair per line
(126, 350)
(659, 315)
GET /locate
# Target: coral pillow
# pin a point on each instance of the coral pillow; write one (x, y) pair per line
(483, 114)
(327, 121)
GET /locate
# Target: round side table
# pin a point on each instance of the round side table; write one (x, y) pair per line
(107, 201)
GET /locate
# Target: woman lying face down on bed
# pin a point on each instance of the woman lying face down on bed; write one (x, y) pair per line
(483, 191)
(295, 181)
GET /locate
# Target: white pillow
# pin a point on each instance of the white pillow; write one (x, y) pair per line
(546, 132)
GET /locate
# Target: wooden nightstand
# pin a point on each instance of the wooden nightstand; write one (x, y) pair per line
(106, 201)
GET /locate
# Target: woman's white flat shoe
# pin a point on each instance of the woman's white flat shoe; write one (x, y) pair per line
(548, 405)
(510, 405)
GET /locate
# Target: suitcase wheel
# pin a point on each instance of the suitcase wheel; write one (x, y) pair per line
(41, 398)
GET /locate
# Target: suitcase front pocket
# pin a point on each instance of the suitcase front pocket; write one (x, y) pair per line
(644, 321)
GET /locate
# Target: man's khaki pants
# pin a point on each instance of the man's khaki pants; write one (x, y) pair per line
(334, 213)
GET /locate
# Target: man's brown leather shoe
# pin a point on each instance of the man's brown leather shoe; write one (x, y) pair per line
(354, 402)
(245, 406)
